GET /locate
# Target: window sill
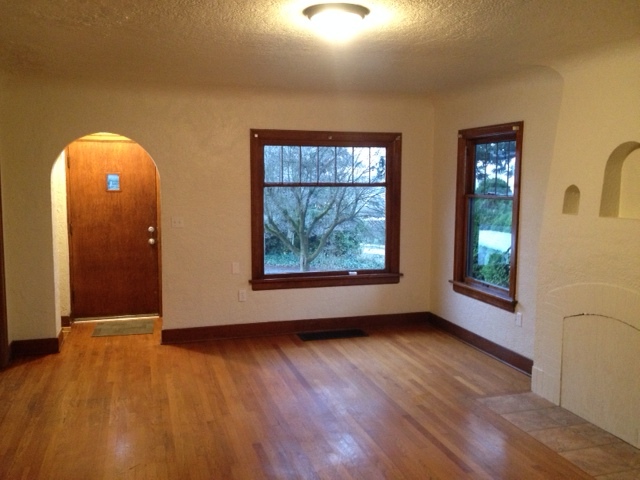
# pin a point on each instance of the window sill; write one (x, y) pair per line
(485, 294)
(333, 280)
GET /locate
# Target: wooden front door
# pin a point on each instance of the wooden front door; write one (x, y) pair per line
(113, 229)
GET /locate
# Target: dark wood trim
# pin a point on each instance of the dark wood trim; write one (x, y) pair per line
(391, 141)
(486, 295)
(216, 332)
(37, 346)
(337, 280)
(158, 235)
(66, 321)
(5, 350)
(511, 358)
(465, 184)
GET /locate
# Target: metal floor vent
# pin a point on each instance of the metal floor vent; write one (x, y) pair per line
(332, 334)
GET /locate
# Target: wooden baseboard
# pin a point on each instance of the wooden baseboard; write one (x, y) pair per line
(66, 321)
(511, 358)
(38, 346)
(216, 332)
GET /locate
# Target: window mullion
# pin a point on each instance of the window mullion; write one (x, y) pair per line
(300, 163)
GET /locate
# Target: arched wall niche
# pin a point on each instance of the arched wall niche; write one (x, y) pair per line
(571, 204)
(621, 183)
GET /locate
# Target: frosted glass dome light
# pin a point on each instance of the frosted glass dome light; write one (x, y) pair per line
(336, 21)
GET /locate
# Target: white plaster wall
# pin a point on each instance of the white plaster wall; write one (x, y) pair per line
(60, 234)
(588, 264)
(535, 99)
(28, 239)
(200, 143)
(600, 359)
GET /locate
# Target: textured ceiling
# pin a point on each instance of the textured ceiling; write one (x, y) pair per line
(406, 46)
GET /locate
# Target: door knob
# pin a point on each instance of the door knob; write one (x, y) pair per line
(151, 229)
(152, 241)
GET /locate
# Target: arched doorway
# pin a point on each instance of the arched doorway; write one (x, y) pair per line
(113, 228)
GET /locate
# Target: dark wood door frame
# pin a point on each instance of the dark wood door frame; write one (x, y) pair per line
(4, 328)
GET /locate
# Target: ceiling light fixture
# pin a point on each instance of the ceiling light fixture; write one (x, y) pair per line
(337, 21)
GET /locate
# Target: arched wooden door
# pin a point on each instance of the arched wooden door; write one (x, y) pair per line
(113, 229)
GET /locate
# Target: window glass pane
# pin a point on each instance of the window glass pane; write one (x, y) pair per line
(495, 164)
(310, 161)
(291, 164)
(490, 240)
(378, 165)
(361, 165)
(327, 164)
(369, 165)
(272, 164)
(316, 229)
(344, 164)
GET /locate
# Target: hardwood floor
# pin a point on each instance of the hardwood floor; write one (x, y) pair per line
(399, 404)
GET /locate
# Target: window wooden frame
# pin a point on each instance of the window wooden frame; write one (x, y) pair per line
(390, 274)
(504, 298)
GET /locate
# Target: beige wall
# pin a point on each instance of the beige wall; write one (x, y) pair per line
(535, 99)
(200, 143)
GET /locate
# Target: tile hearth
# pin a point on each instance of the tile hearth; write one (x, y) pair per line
(590, 448)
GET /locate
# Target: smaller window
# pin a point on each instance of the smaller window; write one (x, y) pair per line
(487, 201)
(325, 208)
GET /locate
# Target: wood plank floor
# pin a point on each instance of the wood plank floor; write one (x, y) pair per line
(399, 404)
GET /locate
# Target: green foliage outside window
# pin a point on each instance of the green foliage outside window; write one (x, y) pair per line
(491, 212)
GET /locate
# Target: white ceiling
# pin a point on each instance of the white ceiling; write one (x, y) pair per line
(407, 46)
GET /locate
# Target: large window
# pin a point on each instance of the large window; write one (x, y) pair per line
(487, 213)
(325, 208)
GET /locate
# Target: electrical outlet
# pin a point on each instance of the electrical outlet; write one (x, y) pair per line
(518, 319)
(242, 295)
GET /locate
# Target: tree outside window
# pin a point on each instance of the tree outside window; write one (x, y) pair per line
(325, 208)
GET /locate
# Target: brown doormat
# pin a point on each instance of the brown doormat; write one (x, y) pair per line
(123, 327)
